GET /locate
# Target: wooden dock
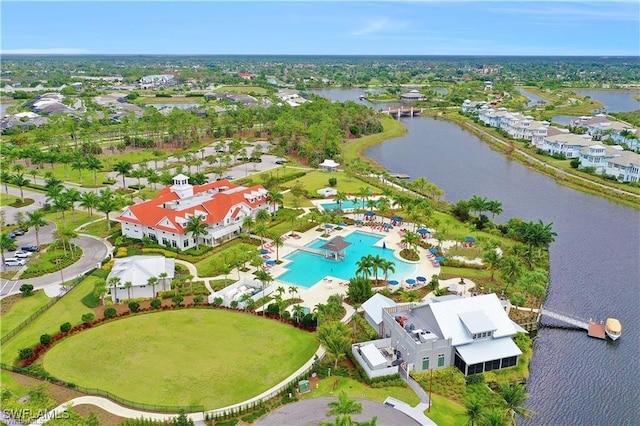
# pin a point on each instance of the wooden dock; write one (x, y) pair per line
(399, 176)
(596, 329)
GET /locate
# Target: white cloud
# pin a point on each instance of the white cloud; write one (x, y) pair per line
(374, 26)
(47, 51)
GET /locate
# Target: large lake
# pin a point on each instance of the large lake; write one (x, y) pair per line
(595, 269)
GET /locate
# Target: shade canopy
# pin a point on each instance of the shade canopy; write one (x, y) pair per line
(358, 220)
(387, 225)
(270, 262)
(328, 226)
(397, 218)
(440, 259)
(263, 251)
(410, 281)
(369, 213)
(421, 279)
(342, 224)
(393, 282)
(470, 239)
(423, 231)
(433, 250)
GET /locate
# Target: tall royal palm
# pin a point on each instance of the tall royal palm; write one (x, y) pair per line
(35, 220)
(20, 181)
(197, 228)
(108, 202)
(94, 165)
(275, 198)
(123, 168)
(89, 200)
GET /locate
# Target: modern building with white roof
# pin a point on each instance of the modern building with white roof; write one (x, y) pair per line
(373, 310)
(473, 334)
(137, 270)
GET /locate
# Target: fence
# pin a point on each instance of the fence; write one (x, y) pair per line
(109, 395)
(29, 320)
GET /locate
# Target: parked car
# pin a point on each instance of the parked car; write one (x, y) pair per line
(22, 254)
(13, 261)
(30, 248)
(16, 233)
(280, 161)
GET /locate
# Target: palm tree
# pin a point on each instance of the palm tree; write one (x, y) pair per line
(138, 174)
(248, 223)
(514, 395)
(364, 192)
(89, 200)
(93, 164)
(293, 290)
(376, 264)
(79, 165)
(153, 177)
(495, 208)
(61, 203)
(36, 220)
(20, 181)
(107, 203)
(123, 168)
(197, 228)
(114, 282)
(275, 198)
(264, 277)
(411, 239)
(474, 408)
(511, 270)
(262, 216)
(478, 204)
(492, 259)
(128, 286)
(494, 416)
(344, 405)
(340, 198)
(152, 281)
(73, 196)
(336, 339)
(261, 229)
(163, 277)
(387, 266)
(6, 243)
(537, 234)
(100, 289)
(365, 265)
(277, 242)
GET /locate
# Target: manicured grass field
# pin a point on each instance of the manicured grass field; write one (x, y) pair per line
(447, 412)
(355, 389)
(243, 89)
(14, 201)
(16, 309)
(318, 179)
(189, 357)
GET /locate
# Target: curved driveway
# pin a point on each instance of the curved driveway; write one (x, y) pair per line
(314, 412)
(94, 251)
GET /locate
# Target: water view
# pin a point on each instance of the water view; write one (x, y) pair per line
(533, 99)
(594, 269)
(614, 100)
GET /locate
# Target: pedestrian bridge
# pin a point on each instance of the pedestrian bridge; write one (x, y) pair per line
(566, 319)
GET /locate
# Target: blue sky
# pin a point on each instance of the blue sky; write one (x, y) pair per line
(319, 27)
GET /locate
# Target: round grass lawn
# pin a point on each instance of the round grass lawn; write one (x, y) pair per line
(208, 357)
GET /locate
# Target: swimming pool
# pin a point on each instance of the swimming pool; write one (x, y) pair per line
(306, 269)
(348, 204)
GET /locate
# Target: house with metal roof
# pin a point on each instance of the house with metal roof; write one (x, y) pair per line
(222, 205)
(474, 334)
(137, 270)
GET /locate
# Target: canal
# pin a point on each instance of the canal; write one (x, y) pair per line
(595, 268)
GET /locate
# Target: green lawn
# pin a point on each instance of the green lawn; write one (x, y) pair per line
(243, 89)
(447, 412)
(355, 389)
(210, 266)
(14, 201)
(72, 221)
(69, 308)
(99, 229)
(188, 357)
(53, 259)
(318, 179)
(16, 309)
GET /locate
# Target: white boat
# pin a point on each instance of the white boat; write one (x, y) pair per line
(613, 328)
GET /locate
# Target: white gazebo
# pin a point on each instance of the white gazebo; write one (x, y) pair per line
(329, 165)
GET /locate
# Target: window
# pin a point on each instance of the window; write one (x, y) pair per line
(174, 243)
(165, 241)
(425, 363)
(185, 243)
(441, 360)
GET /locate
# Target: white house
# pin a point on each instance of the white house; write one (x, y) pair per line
(137, 270)
(625, 167)
(222, 205)
(373, 310)
(567, 144)
(473, 334)
(597, 155)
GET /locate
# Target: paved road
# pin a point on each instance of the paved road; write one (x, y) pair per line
(94, 251)
(314, 412)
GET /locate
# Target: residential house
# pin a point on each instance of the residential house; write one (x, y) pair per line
(137, 270)
(625, 167)
(626, 135)
(473, 334)
(222, 205)
(373, 310)
(597, 156)
(567, 144)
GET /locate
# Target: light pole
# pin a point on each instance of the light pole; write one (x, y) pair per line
(58, 260)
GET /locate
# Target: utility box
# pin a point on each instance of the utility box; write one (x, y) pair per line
(303, 386)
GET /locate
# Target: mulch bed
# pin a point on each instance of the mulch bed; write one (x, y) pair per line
(144, 304)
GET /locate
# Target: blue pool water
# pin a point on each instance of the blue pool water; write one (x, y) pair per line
(349, 204)
(306, 269)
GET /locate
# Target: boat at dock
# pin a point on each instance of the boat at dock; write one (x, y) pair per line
(613, 328)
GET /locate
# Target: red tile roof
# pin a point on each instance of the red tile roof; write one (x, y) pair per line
(152, 212)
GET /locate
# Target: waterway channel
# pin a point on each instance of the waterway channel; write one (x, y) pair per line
(595, 268)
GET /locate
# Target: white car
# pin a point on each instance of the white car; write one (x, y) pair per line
(12, 261)
(22, 254)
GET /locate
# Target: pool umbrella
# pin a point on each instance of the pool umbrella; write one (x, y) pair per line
(393, 282)
(328, 226)
(423, 231)
(342, 224)
(396, 219)
(440, 259)
(263, 251)
(358, 220)
(387, 225)
(433, 250)
(410, 281)
(270, 262)
(421, 279)
(470, 240)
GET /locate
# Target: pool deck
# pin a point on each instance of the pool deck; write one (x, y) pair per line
(329, 285)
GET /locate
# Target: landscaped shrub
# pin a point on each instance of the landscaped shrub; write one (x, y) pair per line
(177, 299)
(45, 339)
(88, 317)
(25, 353)
(26, 290)
(198, 300)
(65, 327)
(110, 312)
(134, 306)
(156, 303)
